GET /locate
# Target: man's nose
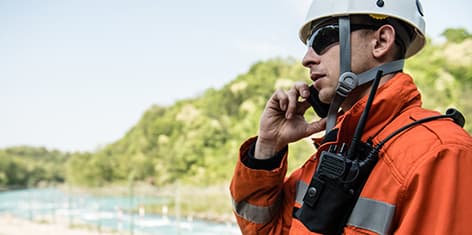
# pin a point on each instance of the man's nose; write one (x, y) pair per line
(310, 58)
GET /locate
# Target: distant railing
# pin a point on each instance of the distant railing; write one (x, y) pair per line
(128, 210)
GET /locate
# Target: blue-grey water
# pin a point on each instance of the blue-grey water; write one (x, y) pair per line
(102, 212)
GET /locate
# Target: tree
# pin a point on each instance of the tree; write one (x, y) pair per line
(456, 35)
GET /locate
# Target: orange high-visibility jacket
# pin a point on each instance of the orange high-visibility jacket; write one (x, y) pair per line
(422, 183)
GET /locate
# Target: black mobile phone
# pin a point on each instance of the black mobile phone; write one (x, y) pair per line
(320, 108)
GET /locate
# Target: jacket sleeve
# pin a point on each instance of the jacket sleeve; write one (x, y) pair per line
(257, 196)
(437, 197)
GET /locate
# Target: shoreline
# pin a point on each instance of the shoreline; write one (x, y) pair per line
(188, 204)
(11, 225)
(209, 203)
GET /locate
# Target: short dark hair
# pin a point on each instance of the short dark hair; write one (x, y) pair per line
(403, 33)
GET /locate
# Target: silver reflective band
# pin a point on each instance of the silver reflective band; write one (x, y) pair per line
(368, 214)
(256, 214)
(302, 187)
(372, 215)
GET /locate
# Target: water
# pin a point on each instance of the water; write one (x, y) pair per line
(102, 212)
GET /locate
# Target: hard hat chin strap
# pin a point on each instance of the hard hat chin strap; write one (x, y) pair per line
(348, 80)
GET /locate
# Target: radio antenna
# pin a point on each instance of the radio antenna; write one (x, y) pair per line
(363, 120)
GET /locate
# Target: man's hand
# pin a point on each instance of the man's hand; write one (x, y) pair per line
(282, 121)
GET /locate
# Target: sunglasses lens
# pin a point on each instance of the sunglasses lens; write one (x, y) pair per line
(323, 37)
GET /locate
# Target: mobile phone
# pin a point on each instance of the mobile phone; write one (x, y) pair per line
(321, 109)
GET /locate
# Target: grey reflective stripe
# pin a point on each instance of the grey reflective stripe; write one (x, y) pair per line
(372, 215)
(301, 190)
(375, 216)
(256, 214)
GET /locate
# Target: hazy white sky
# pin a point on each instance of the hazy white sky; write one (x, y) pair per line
(78, 74)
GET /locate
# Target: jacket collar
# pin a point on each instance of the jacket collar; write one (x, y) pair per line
(392, 98)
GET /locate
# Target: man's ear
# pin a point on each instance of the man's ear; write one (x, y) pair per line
(384, 42)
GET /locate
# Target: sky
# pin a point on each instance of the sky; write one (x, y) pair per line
(76, 75)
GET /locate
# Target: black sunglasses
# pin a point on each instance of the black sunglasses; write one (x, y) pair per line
(323, 37)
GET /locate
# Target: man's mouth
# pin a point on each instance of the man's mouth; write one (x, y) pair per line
(315, 76)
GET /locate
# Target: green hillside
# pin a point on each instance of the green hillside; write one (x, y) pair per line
(196, 141)
(30, 166)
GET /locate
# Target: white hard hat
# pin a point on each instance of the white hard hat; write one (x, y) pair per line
(407, 11)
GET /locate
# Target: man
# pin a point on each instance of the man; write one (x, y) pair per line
(421, 179)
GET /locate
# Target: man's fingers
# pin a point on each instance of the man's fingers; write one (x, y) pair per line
(298, 90)
(302, 89)
(288, 101)
(292, 102)
(279, 100)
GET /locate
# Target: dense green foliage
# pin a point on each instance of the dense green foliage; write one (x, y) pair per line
(196, 140)
(456, 35)
(28, 166)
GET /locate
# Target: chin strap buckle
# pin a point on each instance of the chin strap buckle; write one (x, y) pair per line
(347, 82)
